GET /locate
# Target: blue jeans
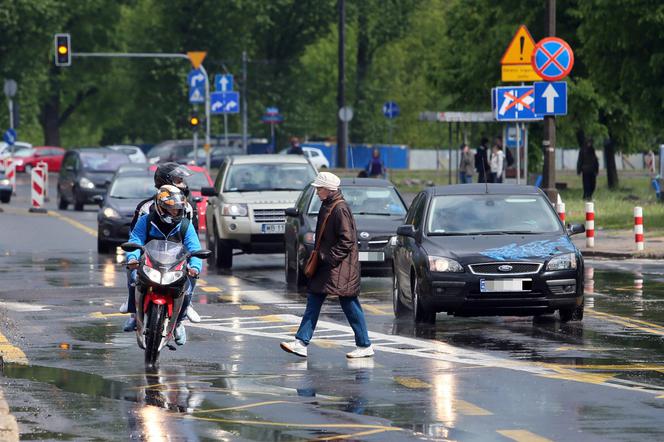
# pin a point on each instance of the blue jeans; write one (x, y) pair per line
(352, 309)
(131, 300)
(464, 178)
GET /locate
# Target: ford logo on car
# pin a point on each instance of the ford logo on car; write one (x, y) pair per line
(505, 268)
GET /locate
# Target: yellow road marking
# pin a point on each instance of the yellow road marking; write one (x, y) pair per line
(294, 424)
(201, 281)
(269, 318)
(630, 323)
(523, 436)
(571, 375)
(617, 367)
(411, 382)
(375, 310)
(241, 407)
(325, 343)
(356, 435)
(249, 307)
(98, 315)
(74, 223)
(11, 353)
(469, 409)
(211, 289)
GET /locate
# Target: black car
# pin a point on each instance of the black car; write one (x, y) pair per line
(5, 188)
(128, 188)
(378, 210)
(85, 175)
(474, 250)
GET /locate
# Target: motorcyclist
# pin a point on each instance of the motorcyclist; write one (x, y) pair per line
(167, 220)
(167, 173)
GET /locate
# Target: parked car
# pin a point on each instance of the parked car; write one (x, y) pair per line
(5, 188)
(134, 153)
(86, 174)
(127, 188)
(248, 203)
(313, 154)
(217, 155)
(27, 159)
(378, 210)
(6, 150)
(472, 250)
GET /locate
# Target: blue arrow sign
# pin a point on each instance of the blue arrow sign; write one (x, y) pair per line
(196, 79)
(551, 98)
(516, 103)
(225, 102)
(197, 95)
(223, 83)
(9, 137)
(391, 110)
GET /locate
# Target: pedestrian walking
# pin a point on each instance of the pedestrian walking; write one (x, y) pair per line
(482, 161)
(588, 166)
(466, 165)
(375, 168)
(334, 270)
(295, 148)
(497, 164)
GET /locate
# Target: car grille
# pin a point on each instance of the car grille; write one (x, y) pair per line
(269, 215)
(518, 268)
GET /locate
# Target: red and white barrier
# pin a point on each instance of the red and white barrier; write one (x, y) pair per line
(44, 165)
(37, 190)
(590, 225)
(10, 173)
(638, 228)
(560, 208)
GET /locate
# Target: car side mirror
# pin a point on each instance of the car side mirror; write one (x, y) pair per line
(131, 246)
(406, 230)
(208, 191)
(202, 254)
(573, 229)
(292, 211)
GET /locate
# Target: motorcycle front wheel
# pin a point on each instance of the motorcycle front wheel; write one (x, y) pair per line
(153, 328)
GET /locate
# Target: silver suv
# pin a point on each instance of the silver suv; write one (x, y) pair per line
(248, 201)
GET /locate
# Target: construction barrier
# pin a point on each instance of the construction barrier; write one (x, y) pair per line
(10, 173)
(638, 228)
(37, 190)
(590, 225)
(560, 208)
(44, 165)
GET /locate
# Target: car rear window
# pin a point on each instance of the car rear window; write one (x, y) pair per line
(367, 201)
(103, 161)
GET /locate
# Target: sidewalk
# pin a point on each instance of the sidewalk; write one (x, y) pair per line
(619, 244)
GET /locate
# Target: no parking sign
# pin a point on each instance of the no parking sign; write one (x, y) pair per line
(552, 59)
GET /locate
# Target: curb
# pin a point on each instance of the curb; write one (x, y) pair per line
(621, 255)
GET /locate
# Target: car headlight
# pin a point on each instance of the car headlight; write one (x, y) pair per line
(153, 274)
(18, 162)
(86, 183)
(310, 238)
(393, 240)
(170, 277)
(110, 212)
(562, 262)
(5, 182)
(234, 209)
(440, 264)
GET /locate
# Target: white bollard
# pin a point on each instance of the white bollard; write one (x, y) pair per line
(590, 225)
(638, 228)
(37, 190)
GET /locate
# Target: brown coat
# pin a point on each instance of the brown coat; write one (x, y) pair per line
(338, 270)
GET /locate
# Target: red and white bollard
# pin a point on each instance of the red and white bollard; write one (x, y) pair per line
(37, 190)
(638, 228)
(560, 209)
(590, 225)
(10, 173)
(44, 165)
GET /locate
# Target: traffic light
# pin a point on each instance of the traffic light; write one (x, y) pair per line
(62, 50)
(194, 121)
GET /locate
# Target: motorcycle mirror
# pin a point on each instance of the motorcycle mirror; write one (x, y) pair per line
(131, 246)
(202, 254)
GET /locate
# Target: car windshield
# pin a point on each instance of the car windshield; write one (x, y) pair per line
(132, 187)
(272, 176)
(165, 253)
(23, 153)
(103, 162)
(367, 201)
(491, 215)
(197, 180)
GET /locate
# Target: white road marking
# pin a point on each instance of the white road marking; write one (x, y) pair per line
(23, 307)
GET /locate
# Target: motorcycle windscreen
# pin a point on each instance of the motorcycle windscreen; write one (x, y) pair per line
(165, 253)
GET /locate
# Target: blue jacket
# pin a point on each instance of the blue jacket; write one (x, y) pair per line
(191, 241)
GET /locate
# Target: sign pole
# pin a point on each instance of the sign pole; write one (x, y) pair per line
(525, 152)
(196, 146)
(518, 152)
(244, 103)
(549, 140)
(226, 129)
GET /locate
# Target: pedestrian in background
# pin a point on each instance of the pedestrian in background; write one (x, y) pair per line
(466, 165)
(588, 166)
(295, 148)
(482, 161)
(337, 272)
(375, 168)
(497, 164)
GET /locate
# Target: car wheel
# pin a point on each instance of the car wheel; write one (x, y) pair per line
(300, 278)
(224, 254)
(78, 205)
(420, 314)
(572, 313)
(6, 198)
(62, 202)
(209, 243)
(103, 247)
(397, 305)
(290, 273)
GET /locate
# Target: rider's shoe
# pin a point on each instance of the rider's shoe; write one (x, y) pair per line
(193, 315)
(130, 324)
(180, 335)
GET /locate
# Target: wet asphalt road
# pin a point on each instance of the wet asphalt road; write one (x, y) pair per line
(79, 377)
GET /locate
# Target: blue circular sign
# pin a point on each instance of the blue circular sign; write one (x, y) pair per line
(9, 137)
(552, 59)
(391, 109)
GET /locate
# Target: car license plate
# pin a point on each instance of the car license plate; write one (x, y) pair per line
(372, 256)
(505, 285)
(273, 228)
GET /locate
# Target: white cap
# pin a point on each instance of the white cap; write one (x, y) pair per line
(327, 180)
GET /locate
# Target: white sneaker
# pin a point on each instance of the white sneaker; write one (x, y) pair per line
(296, 347)
(124, 308)
(193, 315)
(361, 352)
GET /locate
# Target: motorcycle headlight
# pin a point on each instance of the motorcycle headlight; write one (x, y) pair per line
(234, 209)
(562, 262)
(310, 238)
(153, 274)
(86, 183)
(170, 277)
(110, 212)
(441, 264)
(5, 182)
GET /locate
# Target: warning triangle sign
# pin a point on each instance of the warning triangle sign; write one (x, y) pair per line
(520, 49)
(196, 58)
(196, 96)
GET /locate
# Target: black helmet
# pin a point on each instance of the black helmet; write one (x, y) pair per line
(168, 198)
(173, 174)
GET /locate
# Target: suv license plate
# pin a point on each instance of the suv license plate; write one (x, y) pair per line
(273, 228)
(372, 256)
(505, 285)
